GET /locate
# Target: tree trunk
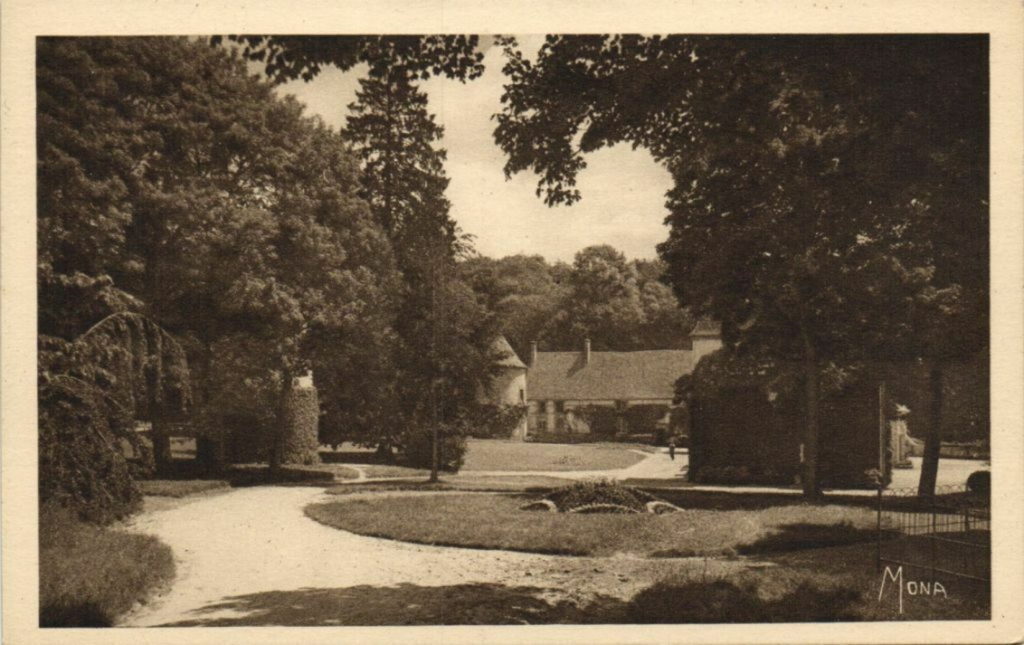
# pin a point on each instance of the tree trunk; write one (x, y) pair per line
(933, 433)
(161, 448)
(276, 450)
(812, 395)
(433, 368)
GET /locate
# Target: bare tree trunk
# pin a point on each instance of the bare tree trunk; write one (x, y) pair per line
(933, 433)
(812, 395)
(433, 369)
(161, 447)
(277, 448)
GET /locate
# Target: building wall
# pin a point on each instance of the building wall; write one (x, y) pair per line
(509, 388)
(548, 416)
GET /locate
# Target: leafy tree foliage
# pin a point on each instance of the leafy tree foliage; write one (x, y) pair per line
(415, 56)
(620, 305)
(92, 391)
(175, 184)
(830, 197)
(443, 358)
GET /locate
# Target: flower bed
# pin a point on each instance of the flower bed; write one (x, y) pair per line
(600, 497)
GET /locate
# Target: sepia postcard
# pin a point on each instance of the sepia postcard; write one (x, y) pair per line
(450, 321)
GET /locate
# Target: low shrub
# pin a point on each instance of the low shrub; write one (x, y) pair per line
(495, 421)
(418, 450)
(89, 575)
(741, 475)
(562, 437)
(602, 494)
(980, 482)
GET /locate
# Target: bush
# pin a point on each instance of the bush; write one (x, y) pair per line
(81, 466)
(298, 442)
(418, 449)
(495, 421)
(603, 421)
(644, 418)
(980, 482)
(602, 494)
(741, 475)
(88, 575)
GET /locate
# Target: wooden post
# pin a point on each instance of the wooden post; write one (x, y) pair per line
(878, 533)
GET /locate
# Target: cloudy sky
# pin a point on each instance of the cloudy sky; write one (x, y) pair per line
(623, 190)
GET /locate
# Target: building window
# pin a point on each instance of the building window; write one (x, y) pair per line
(522, 395)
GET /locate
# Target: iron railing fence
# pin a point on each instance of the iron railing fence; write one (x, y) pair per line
(944, 535)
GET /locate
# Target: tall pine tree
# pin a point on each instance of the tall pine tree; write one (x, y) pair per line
(443, 359)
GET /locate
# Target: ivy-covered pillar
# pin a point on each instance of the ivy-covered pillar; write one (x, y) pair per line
(297, 441)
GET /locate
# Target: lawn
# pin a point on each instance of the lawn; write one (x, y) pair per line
(494, 521)
(496, 455)
(89, 575)
(821, 585)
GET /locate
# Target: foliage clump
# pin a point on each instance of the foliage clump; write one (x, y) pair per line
(600, 496)
(491, 421)
(418, 448)
(980, 482)
(91, 392)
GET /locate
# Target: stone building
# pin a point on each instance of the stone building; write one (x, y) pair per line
(509, 385)
(564, 384)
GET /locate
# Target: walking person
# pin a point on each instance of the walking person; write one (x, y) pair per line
(672, 448)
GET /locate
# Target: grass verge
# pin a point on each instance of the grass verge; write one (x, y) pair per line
(89, 575)
(495, 522)
(181, 487)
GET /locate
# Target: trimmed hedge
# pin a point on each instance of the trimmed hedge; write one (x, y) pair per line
(297, 442)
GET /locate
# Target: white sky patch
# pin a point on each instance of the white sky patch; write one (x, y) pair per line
(623, 189)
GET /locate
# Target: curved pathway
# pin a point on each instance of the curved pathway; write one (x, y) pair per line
(250, 556)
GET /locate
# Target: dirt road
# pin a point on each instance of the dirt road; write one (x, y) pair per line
(251, 557)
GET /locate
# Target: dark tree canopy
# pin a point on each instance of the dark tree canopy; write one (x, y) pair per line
(619, 305)
(830, 193)
(175, 184)
(418, 56)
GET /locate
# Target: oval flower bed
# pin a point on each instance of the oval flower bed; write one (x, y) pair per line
(600, 497)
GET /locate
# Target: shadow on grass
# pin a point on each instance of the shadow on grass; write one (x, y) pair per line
(796, 536)
(723, 601)
(84, 614)
(405, 604)
(716, 601)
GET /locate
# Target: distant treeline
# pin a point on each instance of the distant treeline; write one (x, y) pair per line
(618, 304)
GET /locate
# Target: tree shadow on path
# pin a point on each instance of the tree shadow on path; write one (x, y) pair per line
(405, 604)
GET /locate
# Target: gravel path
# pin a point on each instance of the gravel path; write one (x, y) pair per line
(246, 555)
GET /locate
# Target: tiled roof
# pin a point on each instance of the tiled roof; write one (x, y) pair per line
(609, 375)
(500, 346)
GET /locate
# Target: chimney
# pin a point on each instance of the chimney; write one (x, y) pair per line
(533, 353)
(706, 338)
(586, 351)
